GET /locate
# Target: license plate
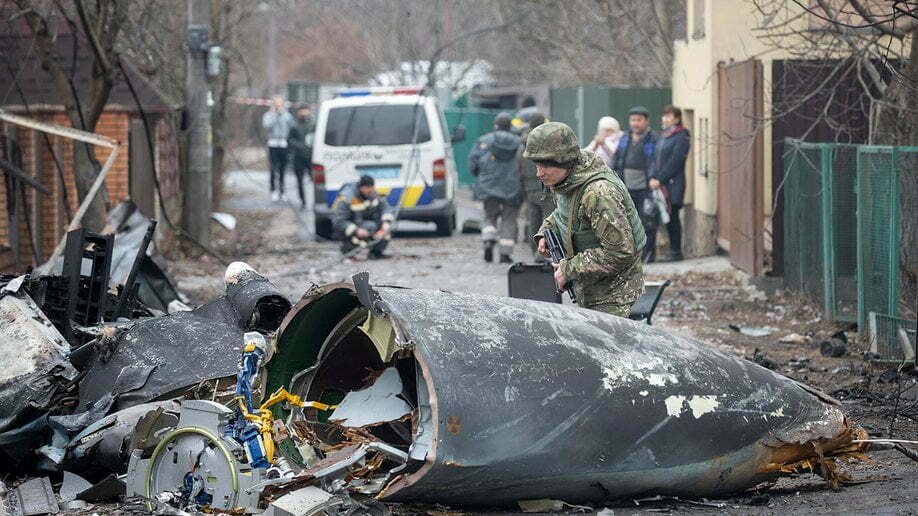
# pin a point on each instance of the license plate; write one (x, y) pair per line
(380, 172)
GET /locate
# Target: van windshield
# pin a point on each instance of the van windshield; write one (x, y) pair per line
(376, 125)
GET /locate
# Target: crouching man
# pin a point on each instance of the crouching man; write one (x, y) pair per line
(361, 218)
(594, 218)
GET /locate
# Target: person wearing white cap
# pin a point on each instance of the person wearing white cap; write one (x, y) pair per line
(604, 144)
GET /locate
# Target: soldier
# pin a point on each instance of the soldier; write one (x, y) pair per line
(539, 201)
(361, 218)
(595, 218)
(493, 161)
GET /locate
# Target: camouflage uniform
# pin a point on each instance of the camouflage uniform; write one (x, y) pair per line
(596, 220)
(539, 201)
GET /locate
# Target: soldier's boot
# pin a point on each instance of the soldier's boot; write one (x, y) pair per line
(505, 258)
(489, 251)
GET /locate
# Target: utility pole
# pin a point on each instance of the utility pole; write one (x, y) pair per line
(198, 191)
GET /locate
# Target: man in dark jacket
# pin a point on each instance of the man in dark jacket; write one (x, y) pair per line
(493, 161)
(669, 173)
(299, 140)
(361, 218)
(634, 163)
(540, 202)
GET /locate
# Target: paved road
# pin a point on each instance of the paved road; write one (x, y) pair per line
(418, 258)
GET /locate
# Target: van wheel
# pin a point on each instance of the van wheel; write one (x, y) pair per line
(324, 229)
(446, 225)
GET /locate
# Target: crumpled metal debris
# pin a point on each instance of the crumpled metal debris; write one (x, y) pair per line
(501, 387)
(71, 486)
(155, 289)
(162, 357)
(421, 396)
(34, 497)
(35, 361)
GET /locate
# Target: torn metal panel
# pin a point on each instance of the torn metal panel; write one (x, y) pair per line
(72, 485)
(528, 400)
(109, 441)
(34, 497)
(376, 404)
(109, 488)
(154, 287)
(160, 357)
(36, 370)
(303, 502)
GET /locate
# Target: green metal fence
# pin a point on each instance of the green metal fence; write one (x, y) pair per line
(885, 340)
(477, 122)
(849, 230)
(581, 107)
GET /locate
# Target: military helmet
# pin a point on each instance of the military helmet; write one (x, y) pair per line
(552, 141)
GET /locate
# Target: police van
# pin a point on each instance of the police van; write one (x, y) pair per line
(399, 137)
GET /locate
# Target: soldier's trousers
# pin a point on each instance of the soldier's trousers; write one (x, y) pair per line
(537, 209)
(612, 308)
(501, 224)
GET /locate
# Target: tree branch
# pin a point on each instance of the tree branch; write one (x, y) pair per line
(101, 57)
(889, 28)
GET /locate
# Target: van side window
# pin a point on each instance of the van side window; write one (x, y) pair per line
(376, 125)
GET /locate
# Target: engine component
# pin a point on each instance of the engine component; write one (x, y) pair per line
(196, 462)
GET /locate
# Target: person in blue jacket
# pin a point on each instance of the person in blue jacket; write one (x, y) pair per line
(634, 164)
(669, 174)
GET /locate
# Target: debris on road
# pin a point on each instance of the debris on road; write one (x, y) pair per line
(361, 395)
(753, 331)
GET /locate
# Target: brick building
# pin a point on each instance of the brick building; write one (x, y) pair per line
(34, 221)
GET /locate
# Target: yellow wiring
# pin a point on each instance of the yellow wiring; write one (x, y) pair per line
(265, 418)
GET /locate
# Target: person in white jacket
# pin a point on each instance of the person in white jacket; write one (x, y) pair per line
(277, 123)
(604, 144)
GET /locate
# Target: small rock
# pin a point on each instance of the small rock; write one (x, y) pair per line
(795, 338)
(833, 347)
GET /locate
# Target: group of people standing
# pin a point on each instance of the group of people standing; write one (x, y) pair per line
(651, 166)
(288, 136)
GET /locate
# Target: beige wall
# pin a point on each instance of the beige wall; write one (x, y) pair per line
(729, 34)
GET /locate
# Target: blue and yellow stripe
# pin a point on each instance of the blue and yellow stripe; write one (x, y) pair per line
(414, 195)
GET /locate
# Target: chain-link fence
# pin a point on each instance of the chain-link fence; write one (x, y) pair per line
(851, 227)
(803, 254)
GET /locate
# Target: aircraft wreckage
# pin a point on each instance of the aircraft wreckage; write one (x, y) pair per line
(383, 394)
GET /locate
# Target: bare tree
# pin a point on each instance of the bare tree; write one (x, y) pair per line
(870, 40)
(624, 42)
(100, 23)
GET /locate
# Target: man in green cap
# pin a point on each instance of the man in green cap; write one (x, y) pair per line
(595, 219)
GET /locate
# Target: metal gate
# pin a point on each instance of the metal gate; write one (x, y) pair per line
(740, 195)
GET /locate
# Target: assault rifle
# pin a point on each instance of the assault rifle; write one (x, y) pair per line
(556, 252)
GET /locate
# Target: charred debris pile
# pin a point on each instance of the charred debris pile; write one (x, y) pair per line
(358, 396)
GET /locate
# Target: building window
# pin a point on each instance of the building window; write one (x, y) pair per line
(698, 19)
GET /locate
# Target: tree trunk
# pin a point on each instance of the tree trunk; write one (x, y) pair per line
(218, 113)
(898, 125)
